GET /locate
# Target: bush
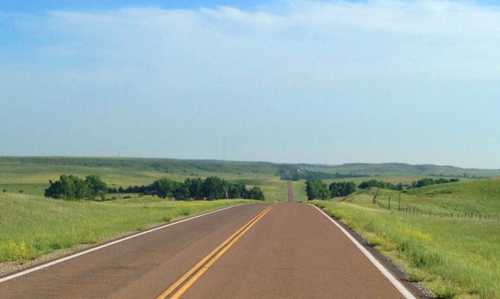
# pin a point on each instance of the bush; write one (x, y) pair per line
(316, 189)
(340, 189)
(73, 187)
(256, 193)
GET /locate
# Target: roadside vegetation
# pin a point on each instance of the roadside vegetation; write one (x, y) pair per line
(32, 225)
(72, 187)
(319, 189)
(90, 209)
(444, 236)
(32, 175)
(405, 186)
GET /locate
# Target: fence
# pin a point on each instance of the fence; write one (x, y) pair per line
(406, 209)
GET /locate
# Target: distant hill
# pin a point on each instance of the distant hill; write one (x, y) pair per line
(156, 164)
(265, 168)
(402, 169)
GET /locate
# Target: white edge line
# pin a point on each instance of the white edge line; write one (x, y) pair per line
(70, 257)
(395, 282)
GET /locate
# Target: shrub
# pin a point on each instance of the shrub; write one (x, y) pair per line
(73, 187)
(256, 193)
(340, 189)
(316, 189)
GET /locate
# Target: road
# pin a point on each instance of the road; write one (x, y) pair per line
(285, 250)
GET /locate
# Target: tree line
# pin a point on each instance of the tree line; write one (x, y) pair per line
(400, 186)
(73, 187)
(296, 174)
(196, 188)
(317, 189)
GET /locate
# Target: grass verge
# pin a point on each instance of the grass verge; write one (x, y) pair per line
(31, 226)
(452, 257)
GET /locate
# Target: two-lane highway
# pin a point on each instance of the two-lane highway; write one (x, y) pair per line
(285, 250)
(141, 267)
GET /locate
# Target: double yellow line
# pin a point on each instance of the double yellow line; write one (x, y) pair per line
(178, 288)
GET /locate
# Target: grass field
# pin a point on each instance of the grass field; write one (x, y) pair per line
(32, 226)
(33, 178)
(450, 243)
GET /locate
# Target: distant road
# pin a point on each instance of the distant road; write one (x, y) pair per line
(286, 250)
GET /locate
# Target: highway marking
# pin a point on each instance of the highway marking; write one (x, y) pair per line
(395, 282)
(178, 288)
(70, 257)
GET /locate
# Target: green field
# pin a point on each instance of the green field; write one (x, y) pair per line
(31, 175)
(31, 225)
(444, 236)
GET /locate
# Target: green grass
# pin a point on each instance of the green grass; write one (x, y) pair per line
(299, 191)
(32, 176)
(31, 226)
(453, 257)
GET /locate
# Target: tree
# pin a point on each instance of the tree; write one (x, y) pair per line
(237, 190)
(256, 193)
(96, 185)
(213, 188)
(68, 187)
(195, 187)
(340, 189)
(316, 189)
(182, 192)
(164, 187)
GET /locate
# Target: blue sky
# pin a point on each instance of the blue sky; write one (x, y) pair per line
(38, 6)
(290, 81)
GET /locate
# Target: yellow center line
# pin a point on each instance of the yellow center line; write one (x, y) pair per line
(178, 288)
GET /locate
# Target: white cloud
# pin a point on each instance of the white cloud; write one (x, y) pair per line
(307, 53)
(378, 39)
(300, 45)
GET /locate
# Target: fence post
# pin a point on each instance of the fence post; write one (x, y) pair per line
(399, 202)
(374, 199)
(390, 197)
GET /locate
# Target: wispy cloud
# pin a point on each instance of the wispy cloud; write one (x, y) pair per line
(414, 38)
(327, 53)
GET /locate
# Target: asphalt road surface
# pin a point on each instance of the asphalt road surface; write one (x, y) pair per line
(285, 250)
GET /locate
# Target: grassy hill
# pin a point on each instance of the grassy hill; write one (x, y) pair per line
(444, 236)
(143, 170)
(31, 175)
(401, 169)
